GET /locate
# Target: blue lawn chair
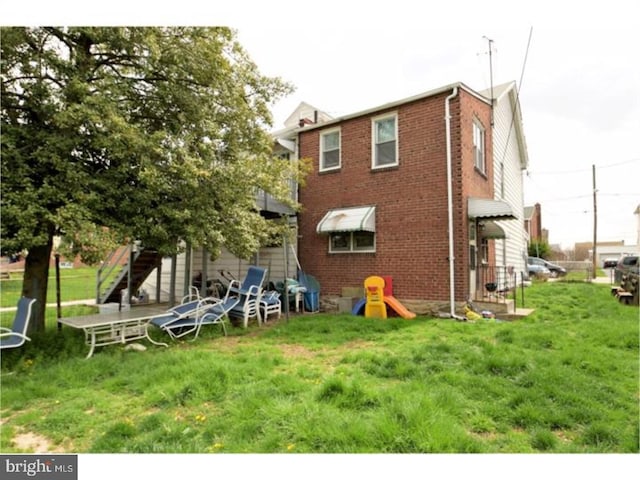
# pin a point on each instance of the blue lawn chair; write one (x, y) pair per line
(189, 317)
(16, 336)
(248, 294)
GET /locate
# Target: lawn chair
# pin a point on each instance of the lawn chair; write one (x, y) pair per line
(16, 336)
(218, 314)
(248, 295)
(184, 318)
(270, 303)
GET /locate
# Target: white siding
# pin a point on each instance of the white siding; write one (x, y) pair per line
(271, 258)
(165, 279)
(509, 186)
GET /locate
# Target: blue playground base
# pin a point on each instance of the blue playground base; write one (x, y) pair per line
(358, 308)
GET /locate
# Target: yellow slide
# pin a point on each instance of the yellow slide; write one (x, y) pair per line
(398, 307)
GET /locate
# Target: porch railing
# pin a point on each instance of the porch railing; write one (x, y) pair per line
(493, 283)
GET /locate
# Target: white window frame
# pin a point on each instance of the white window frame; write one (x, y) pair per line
(352, 248)
(324, 133)
(374, 141)
(479, 147)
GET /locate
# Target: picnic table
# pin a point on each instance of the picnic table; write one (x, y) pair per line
(117, 327)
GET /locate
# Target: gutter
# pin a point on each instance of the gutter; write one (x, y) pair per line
(447, 119)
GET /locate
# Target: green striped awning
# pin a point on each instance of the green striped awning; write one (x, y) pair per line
(350, 219)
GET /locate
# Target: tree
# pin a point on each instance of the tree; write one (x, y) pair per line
(154, 134)
(539, 249)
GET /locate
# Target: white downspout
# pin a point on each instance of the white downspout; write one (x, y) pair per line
(447, 118)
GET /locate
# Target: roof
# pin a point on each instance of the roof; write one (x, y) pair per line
(489, 209)
(528, 212)
(304, 111)
(397, 103)
(350, 219)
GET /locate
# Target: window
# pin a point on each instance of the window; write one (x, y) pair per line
(330, 150)
(484, 250)
(478, 147)
(345, 242)
(385, 141)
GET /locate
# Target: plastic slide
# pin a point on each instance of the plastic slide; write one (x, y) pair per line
(391, 301)
(397, 307)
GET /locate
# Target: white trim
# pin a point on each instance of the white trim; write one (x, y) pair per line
(329, 131)
(482, 148)
(374, 121)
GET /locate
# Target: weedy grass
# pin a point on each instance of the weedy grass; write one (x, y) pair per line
(563, 380)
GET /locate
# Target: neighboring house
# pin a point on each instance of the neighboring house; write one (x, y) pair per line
(407, 189)
(584, 250)
(611, 251)
(533, 223)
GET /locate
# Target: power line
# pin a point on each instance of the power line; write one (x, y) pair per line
(582, 170)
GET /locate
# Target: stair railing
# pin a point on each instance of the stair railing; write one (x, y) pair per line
(114, 267)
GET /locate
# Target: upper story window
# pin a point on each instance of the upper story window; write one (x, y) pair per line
(478, 147)
(330, 150)
(385, 141)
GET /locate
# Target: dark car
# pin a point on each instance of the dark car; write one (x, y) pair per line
(610, 263)
(628, 264)
(556, 270)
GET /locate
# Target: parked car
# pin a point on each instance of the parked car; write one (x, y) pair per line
(610, 263)
(555, 270)
(538, 271)
(627, 264)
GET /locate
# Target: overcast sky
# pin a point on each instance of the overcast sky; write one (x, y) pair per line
(578, 92)
(577, 70)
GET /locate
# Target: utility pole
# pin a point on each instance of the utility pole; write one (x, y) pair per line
(595, 223)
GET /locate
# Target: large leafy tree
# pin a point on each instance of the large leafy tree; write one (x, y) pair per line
(154, 134)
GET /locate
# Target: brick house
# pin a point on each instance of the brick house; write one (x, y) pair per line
(533, 223)
(377, 200)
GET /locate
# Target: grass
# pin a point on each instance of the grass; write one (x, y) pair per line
(564, 380)
(75, 284)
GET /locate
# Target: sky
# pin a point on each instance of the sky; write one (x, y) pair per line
(578, 89)
(576, 69)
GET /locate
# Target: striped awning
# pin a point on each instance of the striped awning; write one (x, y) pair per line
(488, 208)
(351, 219)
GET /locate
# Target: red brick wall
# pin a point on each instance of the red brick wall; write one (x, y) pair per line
(411, 201)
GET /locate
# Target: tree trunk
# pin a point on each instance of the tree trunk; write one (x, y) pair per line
(34, 285)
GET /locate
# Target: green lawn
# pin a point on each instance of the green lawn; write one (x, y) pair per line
(564, 380)
(75, 284)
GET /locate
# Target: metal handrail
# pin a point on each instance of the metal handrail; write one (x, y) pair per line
(106, 275)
